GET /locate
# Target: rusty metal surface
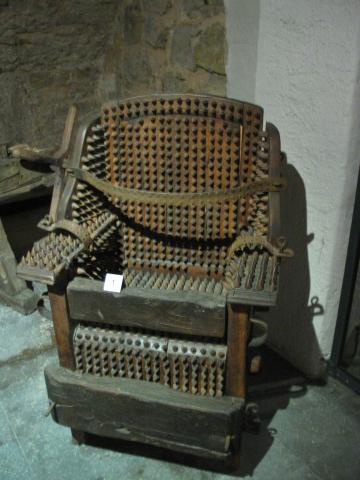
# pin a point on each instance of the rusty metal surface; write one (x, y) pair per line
(178, 146)
(54, 253)
(20, 180)
(187, 366)
(24, 169)
(124, 194)
(158, 144)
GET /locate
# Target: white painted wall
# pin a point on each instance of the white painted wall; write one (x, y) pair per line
(307, 79)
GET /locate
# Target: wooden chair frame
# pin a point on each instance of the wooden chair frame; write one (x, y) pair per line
(213, 117)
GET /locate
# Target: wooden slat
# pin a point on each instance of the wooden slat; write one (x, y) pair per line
(144, 412)
(186, 312)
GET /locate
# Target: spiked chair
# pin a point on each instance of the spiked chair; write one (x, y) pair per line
(180, 195)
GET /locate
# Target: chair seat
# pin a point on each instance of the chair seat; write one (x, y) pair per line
(172, 281)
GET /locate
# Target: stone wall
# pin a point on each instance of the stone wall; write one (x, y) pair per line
(57, 52)
(50, 56)
(165, 46)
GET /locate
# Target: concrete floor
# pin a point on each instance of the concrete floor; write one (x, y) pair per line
(312, 436)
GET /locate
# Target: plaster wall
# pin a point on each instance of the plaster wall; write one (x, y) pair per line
(307, 80)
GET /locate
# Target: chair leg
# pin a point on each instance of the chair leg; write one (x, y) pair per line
(62, 327)
(237, 328)
(237, 332)
(78, 436)
(233, 463)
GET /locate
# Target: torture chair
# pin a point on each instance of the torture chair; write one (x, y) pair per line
(180, 195)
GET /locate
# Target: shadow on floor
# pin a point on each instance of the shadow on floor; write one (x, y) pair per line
(20, 221)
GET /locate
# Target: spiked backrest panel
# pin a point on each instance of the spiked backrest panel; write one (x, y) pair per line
(185, 143)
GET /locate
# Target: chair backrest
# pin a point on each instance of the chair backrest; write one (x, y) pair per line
(177, 143)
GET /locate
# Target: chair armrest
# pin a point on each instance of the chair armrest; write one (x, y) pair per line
(252, 277)
(53, 254)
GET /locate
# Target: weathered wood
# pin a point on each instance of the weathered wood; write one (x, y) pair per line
(237, 326)
(63, 203)
(13, 290)
(62, 327)
(144, 412)
(163, 146)
(59, 155)
(188, 312)
(261, 298)
(35, 274)
(79, 437)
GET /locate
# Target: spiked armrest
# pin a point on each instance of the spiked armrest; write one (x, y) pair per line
(53, 254)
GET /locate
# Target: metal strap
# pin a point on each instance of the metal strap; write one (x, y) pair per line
(75, 229)
(269, 184)
(256, 240)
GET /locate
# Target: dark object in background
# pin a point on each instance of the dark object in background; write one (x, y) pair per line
(13, 290)
(180, 194)
(344, 363)
(25, 173)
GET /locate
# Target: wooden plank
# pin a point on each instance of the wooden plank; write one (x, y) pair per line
(186, 312)
(143, 411)
(262, 298)
(237, 326)
(62, 326)
(35, 274)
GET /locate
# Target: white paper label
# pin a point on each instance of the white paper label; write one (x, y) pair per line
(113, 282)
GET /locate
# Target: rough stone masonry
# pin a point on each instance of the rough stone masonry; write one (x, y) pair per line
(57, 52)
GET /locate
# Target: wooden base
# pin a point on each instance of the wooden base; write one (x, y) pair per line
(145, 412)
